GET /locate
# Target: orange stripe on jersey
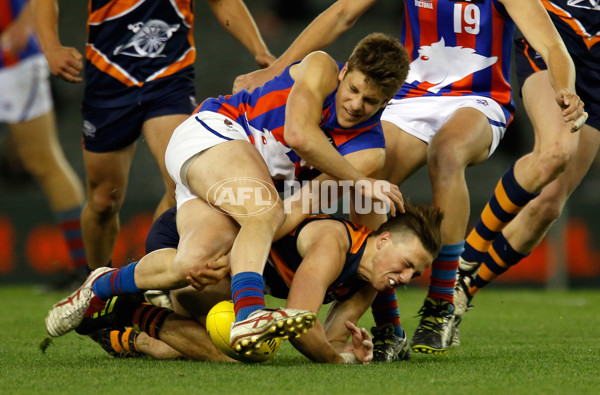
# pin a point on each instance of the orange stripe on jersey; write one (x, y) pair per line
(500, 89)
(9, 58)
(286, 273)
(358, 236)
(6, 15)
(188, 59)
(268, 102)
(229, 111)
(465, 84)
(531, 62)
(185, 10)
(98, 60)
(422, 87)
(111, 9)
(340, 136)
(587, 38)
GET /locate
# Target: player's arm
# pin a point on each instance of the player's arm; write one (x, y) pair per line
(323, 245)
(337, 329)
(367, 161)
(324, 30)
(15, 37)
(315, 78)
(64, 62)
(236, 19)
(535, 24)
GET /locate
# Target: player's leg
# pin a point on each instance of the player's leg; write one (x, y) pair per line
(157, 131)
(253, 203)
(554, 146)
(465, 139)
(529, 227)
(39, 148)
(107, 175)
(26, 105)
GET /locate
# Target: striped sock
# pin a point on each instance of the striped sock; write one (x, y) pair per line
(124, 342)
(500, 257)
(69, 222)
(385, 310)
(508, 200)
(443, 272)
(149, 318)
(247, 289)
(116, 282)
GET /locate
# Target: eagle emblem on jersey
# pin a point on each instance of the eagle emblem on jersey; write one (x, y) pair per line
(589, 4)
(149, 39)
(440, 65)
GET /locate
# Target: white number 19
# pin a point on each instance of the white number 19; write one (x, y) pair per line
(471, 19)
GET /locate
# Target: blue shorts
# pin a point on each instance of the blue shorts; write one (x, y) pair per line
(587, 80)
(110, 129)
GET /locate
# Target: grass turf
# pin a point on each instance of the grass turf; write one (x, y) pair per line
(518, 341)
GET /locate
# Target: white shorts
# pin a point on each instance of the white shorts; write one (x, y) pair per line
(195, 135)
(422, 117)
(25, 90)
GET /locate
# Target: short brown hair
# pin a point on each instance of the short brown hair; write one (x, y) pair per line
(383, 60)
(423, 221)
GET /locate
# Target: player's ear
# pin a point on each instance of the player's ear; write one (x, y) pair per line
(383, 239)
(343, 71)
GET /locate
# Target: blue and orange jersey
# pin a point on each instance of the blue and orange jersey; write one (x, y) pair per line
(133, 43)
(458, 48)
(9, 12)
(286, 259)
(262, 115)
(582, 18)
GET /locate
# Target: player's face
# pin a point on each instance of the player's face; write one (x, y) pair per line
(395, 265)
(356, 99)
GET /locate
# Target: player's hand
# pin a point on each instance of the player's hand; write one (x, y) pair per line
(212, 273)
(252, 80)
(382, 191)
(572, 109)
(362, 342)
(264, 59)
(66, 63)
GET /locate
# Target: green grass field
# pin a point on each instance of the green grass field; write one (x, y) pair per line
(514, 341)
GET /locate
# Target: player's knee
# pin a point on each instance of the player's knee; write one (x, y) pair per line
(546, 208)
(443, 160)
(105, 201)
(552, 162)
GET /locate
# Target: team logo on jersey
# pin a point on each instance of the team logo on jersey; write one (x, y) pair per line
(588, 4)
(424, 4)
(149, 39)
(440, 65)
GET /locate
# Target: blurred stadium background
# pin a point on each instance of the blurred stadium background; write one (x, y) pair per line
(32, 249)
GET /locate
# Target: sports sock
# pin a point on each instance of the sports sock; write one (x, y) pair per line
(124, 342)
(500, 257)
(508, 200)
(247, 289)
(385, 310)
(443, 272)
(116, 282)
(69, 222)
(149, 318)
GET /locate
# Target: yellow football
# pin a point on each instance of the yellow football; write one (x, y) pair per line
(218, 325)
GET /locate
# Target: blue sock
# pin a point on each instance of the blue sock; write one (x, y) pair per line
(247, 289)
(117, 282)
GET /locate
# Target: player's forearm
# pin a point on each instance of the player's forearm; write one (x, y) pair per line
(236, 19)
(45, 15)
(561, 67)
(324, 30)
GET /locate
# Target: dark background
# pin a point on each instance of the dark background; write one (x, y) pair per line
(220, 58)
